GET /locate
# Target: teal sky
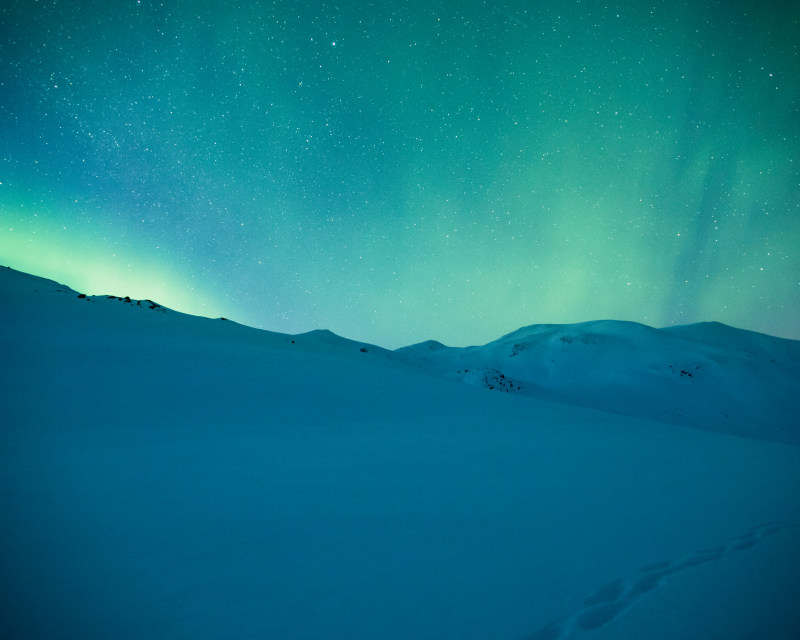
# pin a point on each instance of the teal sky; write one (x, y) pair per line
(399, 171)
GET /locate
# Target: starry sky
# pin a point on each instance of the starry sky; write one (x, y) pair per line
(409, 170)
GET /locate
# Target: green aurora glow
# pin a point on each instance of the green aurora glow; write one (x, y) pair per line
(402, 171)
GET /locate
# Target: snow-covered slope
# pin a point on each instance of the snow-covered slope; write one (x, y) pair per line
(167, 476)
(706, 375)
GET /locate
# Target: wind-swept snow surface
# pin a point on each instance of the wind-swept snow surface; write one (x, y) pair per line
(166, 476)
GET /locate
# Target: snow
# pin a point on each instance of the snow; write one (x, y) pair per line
(707, 375)
(168, 476)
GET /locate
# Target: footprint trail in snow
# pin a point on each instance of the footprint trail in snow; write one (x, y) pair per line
(611, 601)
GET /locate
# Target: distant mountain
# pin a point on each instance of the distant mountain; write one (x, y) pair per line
(708, 375)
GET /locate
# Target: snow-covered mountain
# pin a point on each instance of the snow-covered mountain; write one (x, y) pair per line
(705, 375)
(168, 476)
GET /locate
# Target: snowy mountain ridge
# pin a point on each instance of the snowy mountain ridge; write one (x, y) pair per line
(706, 375)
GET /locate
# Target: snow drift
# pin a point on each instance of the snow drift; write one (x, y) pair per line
(167, 476)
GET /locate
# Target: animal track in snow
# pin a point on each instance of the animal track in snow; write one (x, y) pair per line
(609, 602)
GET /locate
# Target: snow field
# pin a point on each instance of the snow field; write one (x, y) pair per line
(165, 476)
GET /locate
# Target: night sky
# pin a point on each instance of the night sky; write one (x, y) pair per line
(399, 171)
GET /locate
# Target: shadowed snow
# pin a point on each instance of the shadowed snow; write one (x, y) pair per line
(168, 476)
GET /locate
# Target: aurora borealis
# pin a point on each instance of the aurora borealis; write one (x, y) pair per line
(402, 171)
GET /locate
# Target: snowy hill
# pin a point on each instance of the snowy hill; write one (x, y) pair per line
(168, 476)
(709, 375)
